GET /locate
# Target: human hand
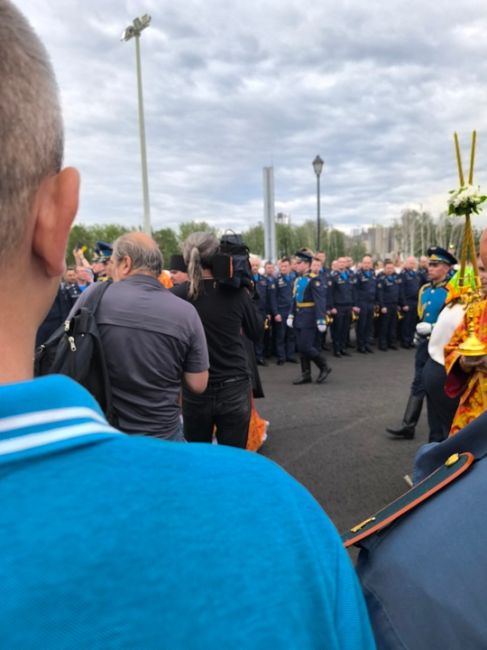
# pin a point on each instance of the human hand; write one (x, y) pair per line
(290, 321)
(278, 318)
(383, 310)
(356, 310)
(321, 325)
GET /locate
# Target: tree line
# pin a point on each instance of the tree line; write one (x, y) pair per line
(289, 238)
(412, 233)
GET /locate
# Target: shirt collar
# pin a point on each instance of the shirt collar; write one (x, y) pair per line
(52, 411)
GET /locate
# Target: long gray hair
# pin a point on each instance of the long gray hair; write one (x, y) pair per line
(198, 251)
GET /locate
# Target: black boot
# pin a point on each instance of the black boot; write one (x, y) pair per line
(323, 367)
(410, 419)
(305, 372)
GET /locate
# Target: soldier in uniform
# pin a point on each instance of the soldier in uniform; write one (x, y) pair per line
(366, 290)
(410, 288)
(423, 270)
(431, 301)
(308, 319)
(285, 338)
(265, 304)
(342, 298)
(389, 298)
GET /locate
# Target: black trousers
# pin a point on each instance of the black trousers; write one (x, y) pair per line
(341, 327)
(407, 325)
(388, 327)
(225, 406)
(364, 324)
(420, 359)
(441, 408)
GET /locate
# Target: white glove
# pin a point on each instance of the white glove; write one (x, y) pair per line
(321, 325)
(424, 329)
(290, 320)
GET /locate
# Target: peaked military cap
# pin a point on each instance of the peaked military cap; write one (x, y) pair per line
(438, 254)
(103, 251)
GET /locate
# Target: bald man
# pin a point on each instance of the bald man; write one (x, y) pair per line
(152, 340)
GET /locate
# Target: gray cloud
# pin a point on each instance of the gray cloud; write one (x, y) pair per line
(377, 90)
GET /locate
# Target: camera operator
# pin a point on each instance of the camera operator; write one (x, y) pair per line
(226, 313)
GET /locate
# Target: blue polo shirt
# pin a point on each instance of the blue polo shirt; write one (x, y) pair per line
(115, 541)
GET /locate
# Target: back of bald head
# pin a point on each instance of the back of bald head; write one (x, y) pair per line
(142, 250)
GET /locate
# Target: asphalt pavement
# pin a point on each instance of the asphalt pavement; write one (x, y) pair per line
(332, 438)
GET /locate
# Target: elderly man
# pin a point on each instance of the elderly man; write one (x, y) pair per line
(152, 341)
(120, 541)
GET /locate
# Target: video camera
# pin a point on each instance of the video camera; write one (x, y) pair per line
(231, 264)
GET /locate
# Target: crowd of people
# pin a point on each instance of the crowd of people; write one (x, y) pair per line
(133, 541)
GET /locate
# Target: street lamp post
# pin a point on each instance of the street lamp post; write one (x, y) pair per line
(318, 167)
(133, 31)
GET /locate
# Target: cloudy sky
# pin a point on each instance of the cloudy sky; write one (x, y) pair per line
(375, 88)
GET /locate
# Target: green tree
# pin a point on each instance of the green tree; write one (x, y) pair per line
(81, 235)
(286, 240)
(168, 243)
(254, 239)
(356, 250)
(185, 229)
(336, 245)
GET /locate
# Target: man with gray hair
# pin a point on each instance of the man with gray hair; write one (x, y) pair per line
(117, 541)
(152, 341)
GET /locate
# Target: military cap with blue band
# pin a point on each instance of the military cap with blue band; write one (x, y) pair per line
(438, 254)
(103, 251)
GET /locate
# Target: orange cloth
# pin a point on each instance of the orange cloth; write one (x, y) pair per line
(165, 280)
(472, 386)
(257, 430)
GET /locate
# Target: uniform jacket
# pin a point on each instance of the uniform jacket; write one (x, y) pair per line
(309, 304)
(389, 290)
(365, 287)
(410, 284)
(342, 289)
(284, 293)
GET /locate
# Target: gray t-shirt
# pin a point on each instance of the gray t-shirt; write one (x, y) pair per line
(150, 337)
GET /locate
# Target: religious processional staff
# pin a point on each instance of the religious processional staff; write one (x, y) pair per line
(389, 298)
(341, 294)
(366, 288)
(467, 375)
(431, 300)
(308, 318)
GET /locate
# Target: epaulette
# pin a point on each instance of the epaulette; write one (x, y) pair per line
(453, 467)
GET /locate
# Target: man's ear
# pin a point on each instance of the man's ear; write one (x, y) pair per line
(55, 208)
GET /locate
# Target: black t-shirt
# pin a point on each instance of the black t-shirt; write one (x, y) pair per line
(225, 312)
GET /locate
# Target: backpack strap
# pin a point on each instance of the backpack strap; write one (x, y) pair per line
(451, 469)
(94, 297)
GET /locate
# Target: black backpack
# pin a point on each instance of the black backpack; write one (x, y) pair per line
(75, 349)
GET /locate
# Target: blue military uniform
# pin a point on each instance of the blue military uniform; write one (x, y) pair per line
(389, 296)
(342, 298)
(424, 576)
(265, 294)
(410, 287)
(366, 296)
(431, 301)
(285, 337)
(309, 310)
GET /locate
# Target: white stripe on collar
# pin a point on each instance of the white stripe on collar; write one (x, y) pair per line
(50, 415)
(32, 440)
